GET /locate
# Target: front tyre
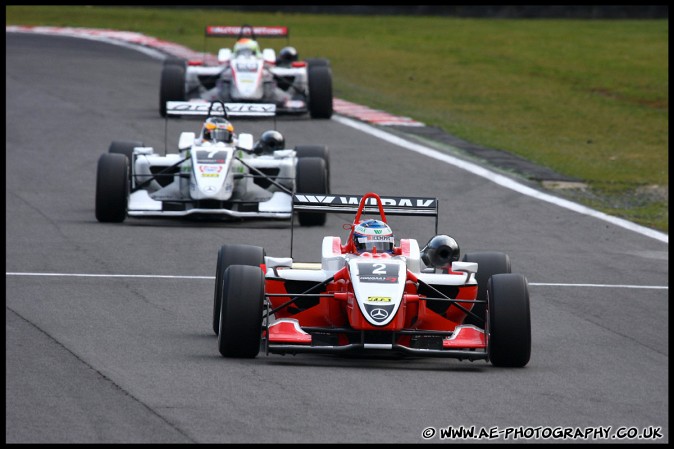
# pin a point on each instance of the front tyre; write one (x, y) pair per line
(112, 188)
(231, 254)
(125, 148)
(172, 60)
(311, 178)
(317, 62)
(240, 332)
(316, 151)
(509, 321)
(320, 91)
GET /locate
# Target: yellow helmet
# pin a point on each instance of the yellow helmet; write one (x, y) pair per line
(217, 129)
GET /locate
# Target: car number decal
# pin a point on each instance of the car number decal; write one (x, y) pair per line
(378, 272)
(211, 157)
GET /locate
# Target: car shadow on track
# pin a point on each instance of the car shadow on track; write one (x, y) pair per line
(390, 362)
(344, 361)
(200, 223)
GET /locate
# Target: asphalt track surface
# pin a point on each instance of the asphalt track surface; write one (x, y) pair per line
(133, 359)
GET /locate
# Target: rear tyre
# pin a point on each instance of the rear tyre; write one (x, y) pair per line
(509, 325)
(489, 263)
(112, 188)
(320, 91)
(316, 151)
(311, 178)
(231, 254)
(172, 86)
(241, 312)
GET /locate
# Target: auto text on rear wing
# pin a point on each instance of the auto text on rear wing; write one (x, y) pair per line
(181, 108)
(269, 31)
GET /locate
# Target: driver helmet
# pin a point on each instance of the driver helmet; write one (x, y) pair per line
(373, 236)
(270, 141)
(246, 46)
(217, 129)
(287, 56)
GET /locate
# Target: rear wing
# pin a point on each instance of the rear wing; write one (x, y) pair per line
(350, 203)
(204, 109)
(246, 31)
(370, 203)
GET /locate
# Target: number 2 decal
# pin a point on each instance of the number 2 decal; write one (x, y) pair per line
(378, 272)
(378, 268)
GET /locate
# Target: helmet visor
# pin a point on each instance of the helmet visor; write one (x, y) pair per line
(221, 135)
(383, 244)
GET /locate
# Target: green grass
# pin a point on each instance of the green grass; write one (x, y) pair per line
(587, 98)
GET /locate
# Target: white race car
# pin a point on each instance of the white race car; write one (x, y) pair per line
(230, 176)
(247, 73)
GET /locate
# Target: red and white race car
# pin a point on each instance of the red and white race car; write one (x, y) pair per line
(371, 295)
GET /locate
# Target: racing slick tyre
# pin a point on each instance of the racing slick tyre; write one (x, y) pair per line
(241, 312)
(489, 263)
(320, 91)
(172, 86)
(311, 178)
(509, 321)
(125, 148)
(232, 254)
(112, 188)
(315, 151)
(317, 62)
(175, 61)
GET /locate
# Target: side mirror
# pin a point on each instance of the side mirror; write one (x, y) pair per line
(245, 142)
(224, 55)
(269, 55)
(186, 141)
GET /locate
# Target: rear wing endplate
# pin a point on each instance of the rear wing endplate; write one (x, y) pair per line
(246, 31)
(195, 108)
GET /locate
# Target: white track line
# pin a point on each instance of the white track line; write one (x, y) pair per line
(210, 278)
(151, 276)
(547, 284)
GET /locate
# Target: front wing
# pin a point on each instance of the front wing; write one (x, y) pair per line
(285, 336)
(278, 206)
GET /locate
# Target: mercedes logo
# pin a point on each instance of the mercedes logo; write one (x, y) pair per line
(379, 314)
(210, 189)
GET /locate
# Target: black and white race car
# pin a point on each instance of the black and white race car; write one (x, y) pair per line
(247, 73)
(216, 172)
